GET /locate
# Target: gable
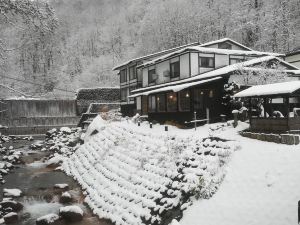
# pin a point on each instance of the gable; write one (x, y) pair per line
(226, 43)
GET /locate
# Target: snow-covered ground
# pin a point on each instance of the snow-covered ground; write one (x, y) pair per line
(262, 186)
(136, 175)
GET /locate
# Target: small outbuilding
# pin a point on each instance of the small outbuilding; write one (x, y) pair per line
(280, 107)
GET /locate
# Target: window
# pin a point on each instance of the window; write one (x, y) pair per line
(235, 60)
(208, 62)
(123, 76)
(151, 103)
(132, 73)
(151, 75)
(184, 100)
(124, 94)
(174, 69)
(161, 102)
(198, 99)
(224, 45)
(172, 102)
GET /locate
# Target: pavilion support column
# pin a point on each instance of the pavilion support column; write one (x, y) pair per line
(287, 106)
(265, 107)
(250, 111)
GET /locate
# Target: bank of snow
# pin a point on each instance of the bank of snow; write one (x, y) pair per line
(137, 175)
(261, 187)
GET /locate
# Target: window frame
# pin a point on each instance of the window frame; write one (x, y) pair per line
(176, 103)
(180, 101)
(158, 97)
(150, 103)
(123, 77)
(134, 72)
(150, 75)
(126, 94)
(171, 70)
(206, 57)
(233, 58)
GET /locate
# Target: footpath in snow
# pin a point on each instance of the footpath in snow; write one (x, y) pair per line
(262, 186)
(137, 175)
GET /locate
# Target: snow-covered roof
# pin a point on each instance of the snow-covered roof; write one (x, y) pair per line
(214, 73)
(210, 50)
(224, 40)
(156, 54)
(176, 88)
(270, 89)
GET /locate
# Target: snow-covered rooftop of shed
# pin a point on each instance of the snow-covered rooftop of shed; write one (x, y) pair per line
(223, 40)
(270, 89)
(211, 50)
(214, 73)
(94, 88)
(154, 54)
(176, 88)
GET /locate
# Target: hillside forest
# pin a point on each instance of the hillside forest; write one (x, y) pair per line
(52, 48)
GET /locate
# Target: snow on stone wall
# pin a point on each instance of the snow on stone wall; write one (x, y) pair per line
(138, 177)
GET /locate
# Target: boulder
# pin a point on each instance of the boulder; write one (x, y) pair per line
(15, 206)
(71, 213)
(11, 218)
(65, 198)
(50, 219)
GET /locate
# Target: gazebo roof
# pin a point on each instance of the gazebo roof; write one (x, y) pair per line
(277, 89)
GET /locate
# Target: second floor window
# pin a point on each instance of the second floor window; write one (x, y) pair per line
(151, 75)
(132, 73)
(235, 60)
(207, 62)
(174, 69)
(123, 76)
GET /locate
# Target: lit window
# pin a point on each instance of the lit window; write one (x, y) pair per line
(211, 93)
(172, 102)
(184, 100)
(161, 102)
(151, 103)
(207, 62)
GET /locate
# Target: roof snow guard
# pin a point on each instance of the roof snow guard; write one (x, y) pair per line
(285, 88)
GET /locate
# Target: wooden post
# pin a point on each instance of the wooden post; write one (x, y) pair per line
(287, 100)
(265, 107)
(250, 111)
(195, 118)
(207, 115)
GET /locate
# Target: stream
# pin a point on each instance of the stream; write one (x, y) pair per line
(37, 181)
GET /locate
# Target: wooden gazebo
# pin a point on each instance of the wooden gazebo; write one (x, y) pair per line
(280, 107)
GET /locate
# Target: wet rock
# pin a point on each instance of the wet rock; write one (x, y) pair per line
(66, 130)
(65, 198)
(71, 213)
(11, 218)
(15, 206)
(50, 219)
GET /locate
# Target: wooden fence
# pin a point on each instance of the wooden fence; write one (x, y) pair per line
(37, 116)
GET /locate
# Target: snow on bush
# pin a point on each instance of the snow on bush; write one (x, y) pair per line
(137, 177)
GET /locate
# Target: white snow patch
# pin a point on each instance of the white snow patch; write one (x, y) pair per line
(12, 192)
(71, 208)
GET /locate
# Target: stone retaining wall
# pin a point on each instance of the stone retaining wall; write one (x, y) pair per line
(289, 139)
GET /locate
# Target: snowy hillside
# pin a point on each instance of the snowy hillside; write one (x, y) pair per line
(261, 187)
(137, 175)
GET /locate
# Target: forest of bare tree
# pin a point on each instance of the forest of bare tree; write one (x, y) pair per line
(68, 44)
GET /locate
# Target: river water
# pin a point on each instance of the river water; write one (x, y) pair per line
(36, 181)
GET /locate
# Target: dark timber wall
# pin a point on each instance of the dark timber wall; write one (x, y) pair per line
(36, 116)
